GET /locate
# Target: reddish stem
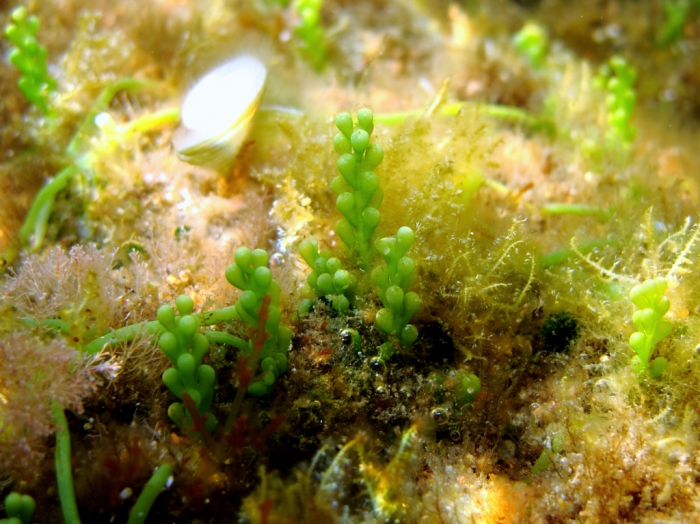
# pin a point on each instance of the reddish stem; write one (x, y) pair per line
(251, 363)
(198, 421)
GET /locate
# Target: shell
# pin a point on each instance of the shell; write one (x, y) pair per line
(217, 112)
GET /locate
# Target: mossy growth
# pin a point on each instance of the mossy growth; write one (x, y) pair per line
(459, 180)
(559, 331)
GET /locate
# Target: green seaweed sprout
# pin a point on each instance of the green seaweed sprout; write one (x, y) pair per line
(357, 187)
(185, 343)
(648, 296)
(185, 347)
(676, 17)
(250, 274)
(19, 509)
(358, 198)
(532, 41)
(393, 281)
(546, 458)
(617, 78)
(157, 483)
(30, 58)
(651, 325)
(310, 32)
(328, 278)
(469, 388)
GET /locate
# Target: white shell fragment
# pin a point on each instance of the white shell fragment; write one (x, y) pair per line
(217, 111)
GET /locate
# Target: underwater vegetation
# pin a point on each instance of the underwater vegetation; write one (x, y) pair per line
(274, 261)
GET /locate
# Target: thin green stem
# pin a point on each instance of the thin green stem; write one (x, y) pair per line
(86, 129)
(499, 187)
(258, 342)
(37, 219)
(225, 314)
(125, 334)
(31, 234)
(50, 323)
(154, 328)
(510, 113)
(218, 337)
(600, 213)
(152, 121)
(562, 255)
(56, 323)
(149, 493)
(64, 475)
